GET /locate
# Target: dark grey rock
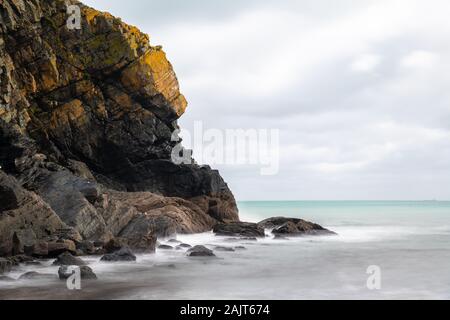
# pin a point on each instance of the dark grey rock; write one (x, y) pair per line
(200, 251)
(33, 275)
(123, 254)
(165, 247)
(66, 259)
(225, 249)
(239, 229)
(5, 265)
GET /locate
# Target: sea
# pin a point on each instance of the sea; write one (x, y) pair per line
(382, 250)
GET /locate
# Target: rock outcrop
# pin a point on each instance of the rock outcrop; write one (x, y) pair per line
(282, 226)
(86, 124)
(239, 229)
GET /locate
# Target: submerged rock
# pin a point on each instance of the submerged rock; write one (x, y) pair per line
(6, 279)
(123, 254)
(165, 247)
(239, 229)
(86, 273)
(66, 259)
(200, 251)
(225, 249)
(184, 246)
(33, 275)
(293, 227)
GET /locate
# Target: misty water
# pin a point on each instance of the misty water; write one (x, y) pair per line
(408, 241)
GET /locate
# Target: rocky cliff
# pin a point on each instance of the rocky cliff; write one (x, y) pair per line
(86, 120)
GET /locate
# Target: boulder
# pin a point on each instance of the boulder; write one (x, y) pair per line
(200, 251)
(57, 248)
(239, 229)
(294, 227)
(66, 259)
(123, 254)
(86, 273)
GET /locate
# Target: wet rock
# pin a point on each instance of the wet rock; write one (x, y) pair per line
(225, 249)
(86, 247)
(5, 265)
(123, 254)
(240, 248)
(115, 244)
(294, 227)
(165, 247)
(184, 245)
(239, 229)
(39, 249)
(16, 260)
(6, 279)
(200, 251)
(57, 248)
(86, 273)
(66, 259)
(174, 241)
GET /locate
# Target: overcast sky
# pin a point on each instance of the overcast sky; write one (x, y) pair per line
(359, 89)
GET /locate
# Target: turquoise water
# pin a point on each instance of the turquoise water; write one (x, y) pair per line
(408, 241)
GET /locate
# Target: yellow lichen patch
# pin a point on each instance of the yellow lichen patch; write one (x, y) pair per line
(49, 74)
(152, 75)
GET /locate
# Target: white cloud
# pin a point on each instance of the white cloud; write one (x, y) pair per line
(366, 63)
(420, 59)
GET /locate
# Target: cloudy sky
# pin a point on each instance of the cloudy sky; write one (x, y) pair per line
(359, 89)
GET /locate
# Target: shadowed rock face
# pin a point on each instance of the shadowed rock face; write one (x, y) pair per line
(86, 119)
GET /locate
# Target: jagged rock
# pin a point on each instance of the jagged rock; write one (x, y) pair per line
(239, 229)
(86, 273)
(39, 249)
(86, 123)
(123, 254)
(86, 247)
(293, 227)
(57, 248)
(31, 219)
(66, 259)
(200, 251)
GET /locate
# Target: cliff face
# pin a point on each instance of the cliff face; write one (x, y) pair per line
(86, 119)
